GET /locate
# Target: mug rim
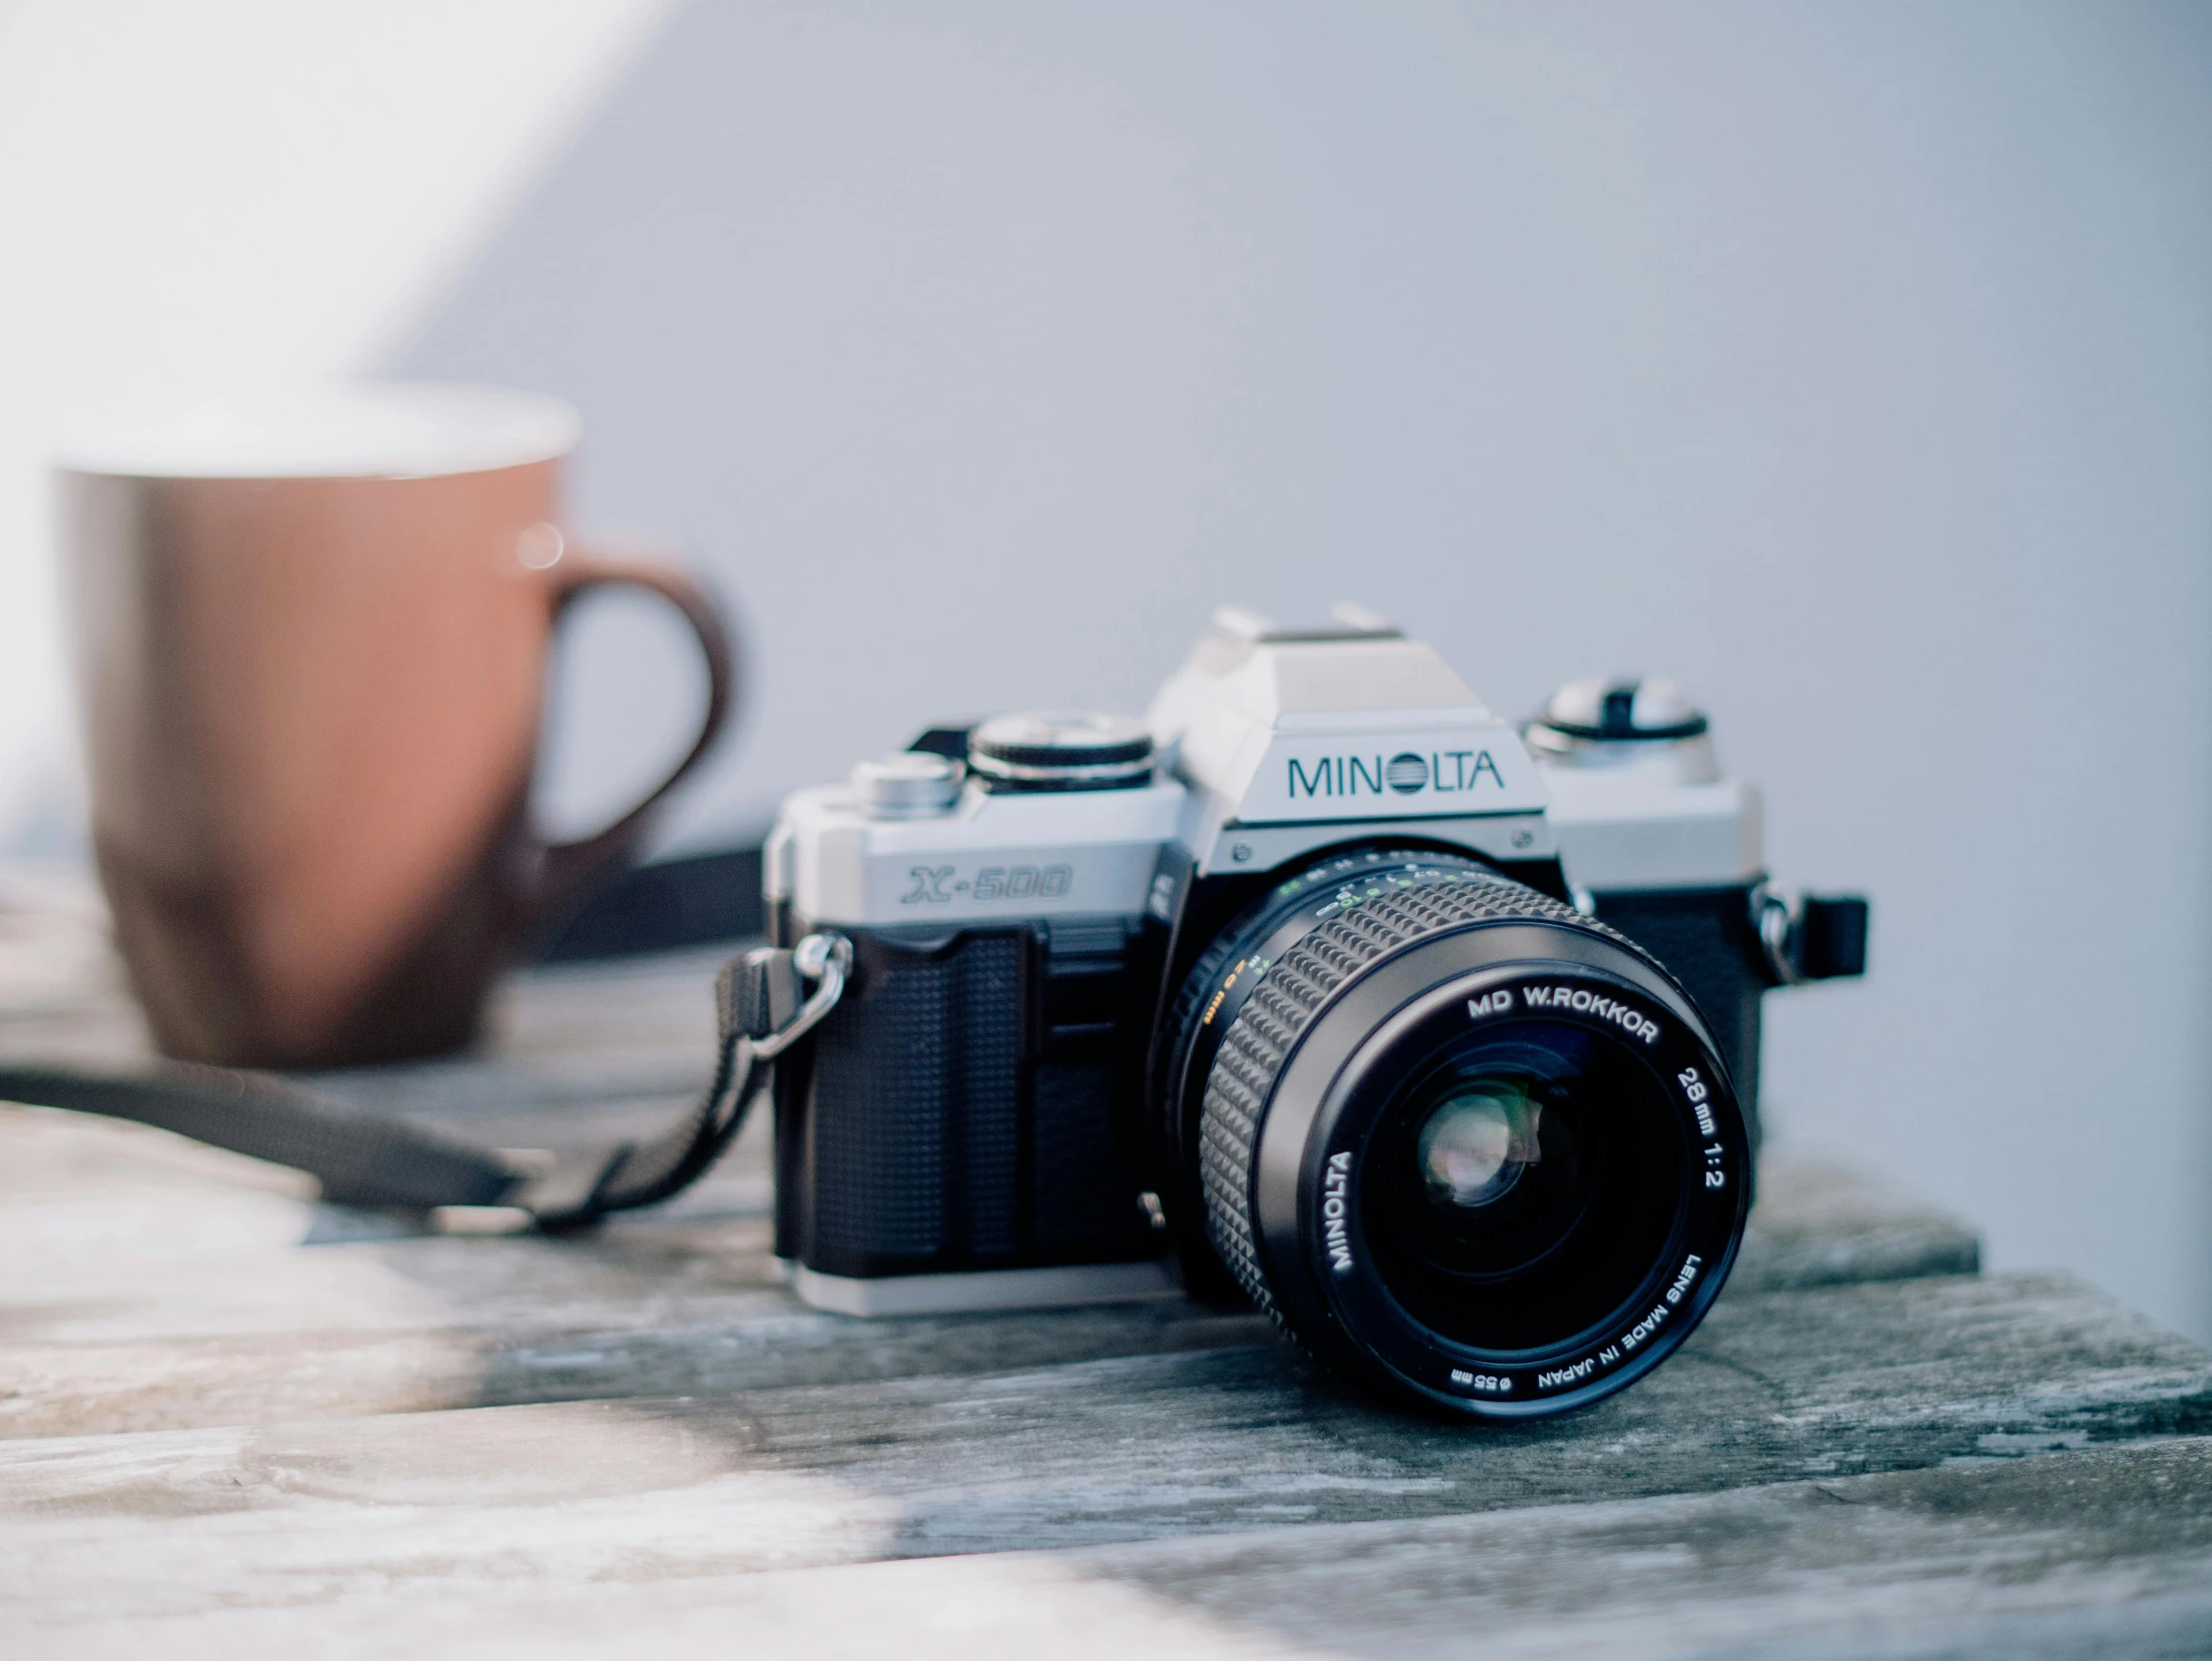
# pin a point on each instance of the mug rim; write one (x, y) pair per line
(326, 429)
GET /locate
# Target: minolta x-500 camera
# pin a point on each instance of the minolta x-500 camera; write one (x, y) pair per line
(1322, 985)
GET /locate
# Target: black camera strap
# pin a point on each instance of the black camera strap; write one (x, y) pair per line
(763, 1003)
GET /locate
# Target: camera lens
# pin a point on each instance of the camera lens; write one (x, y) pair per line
(1474, 1145)
(1589, 1176)
(1455, 1136)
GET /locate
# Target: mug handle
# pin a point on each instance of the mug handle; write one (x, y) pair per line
(567, 866)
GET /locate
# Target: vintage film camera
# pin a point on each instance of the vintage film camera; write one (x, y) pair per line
(1436, 1039)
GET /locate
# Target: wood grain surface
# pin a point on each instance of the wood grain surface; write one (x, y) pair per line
(233, 1420)
(2103, 1552)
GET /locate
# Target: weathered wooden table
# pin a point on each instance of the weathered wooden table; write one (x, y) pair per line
(242, 1422)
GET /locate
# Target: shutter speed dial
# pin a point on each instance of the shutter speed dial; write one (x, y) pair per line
(1646, 727)
(1061, 751)
(1622, 711)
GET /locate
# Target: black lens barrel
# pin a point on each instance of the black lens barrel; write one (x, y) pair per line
(1335, 1013)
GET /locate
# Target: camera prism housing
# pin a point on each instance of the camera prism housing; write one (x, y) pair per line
(1321, 986)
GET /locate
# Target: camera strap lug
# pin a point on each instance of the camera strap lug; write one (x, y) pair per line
(1775, 915)
(825, 959)
(759, 999)
(1808, 937)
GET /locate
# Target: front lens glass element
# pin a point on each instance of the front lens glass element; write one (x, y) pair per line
(1522, 1186)
(1475, 1146)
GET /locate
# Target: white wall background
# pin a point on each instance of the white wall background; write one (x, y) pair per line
(1853, 363)
(230, 192)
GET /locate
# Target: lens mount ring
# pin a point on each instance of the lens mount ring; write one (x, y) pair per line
(1299, 1091)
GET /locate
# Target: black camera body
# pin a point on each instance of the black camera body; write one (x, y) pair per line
(965, 1109)
(1321, 986)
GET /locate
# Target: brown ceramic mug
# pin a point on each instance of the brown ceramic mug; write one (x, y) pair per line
(312, 636)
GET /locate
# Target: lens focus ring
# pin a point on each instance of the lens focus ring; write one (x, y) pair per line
(1293, 992)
